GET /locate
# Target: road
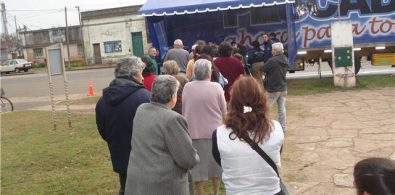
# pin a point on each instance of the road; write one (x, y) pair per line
(31, 90)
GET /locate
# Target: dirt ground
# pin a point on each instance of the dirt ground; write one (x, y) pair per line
(327, 134)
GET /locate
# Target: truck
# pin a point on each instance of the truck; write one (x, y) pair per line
(303, 26)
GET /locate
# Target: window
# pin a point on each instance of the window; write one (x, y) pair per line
(230, 19)
(112, 46)
(80, 50)
(264, 15)
(38, 52)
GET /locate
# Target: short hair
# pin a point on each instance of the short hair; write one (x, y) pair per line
(163, 87)
(375, 176)
(202, 69)
(278, 48)
(178, 43)
(246, 91)
(129, 66)
(255, 44)
(225, 49)
(170, 67)
(149, 67)
(149, 49)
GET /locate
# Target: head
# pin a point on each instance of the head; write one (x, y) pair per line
(375, 176)
(178, 43)
(130, 67)
(242, 49)
(225, 49)
(208, 50)
(277, 49)
(200, 43)
(265, 37)
(273, 35)
(246, 92)
(149, 68)
(202, 69)
(170, 67)
(152, 52)
(164, 90)
(234, 44)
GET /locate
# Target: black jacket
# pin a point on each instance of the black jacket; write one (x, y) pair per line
(115, 111)
(276, 69)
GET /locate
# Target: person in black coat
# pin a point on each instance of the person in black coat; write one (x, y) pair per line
(116, 109)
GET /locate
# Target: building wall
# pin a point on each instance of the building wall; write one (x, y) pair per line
(74, 56)
(115, 28)
(42, 39)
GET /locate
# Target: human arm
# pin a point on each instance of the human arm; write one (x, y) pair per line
(179, 143)
(100, 123)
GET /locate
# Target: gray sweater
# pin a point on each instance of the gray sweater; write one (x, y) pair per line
(162, 152)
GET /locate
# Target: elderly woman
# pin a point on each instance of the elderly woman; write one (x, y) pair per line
(170, 67)
(116, 109)
(162, 148)
(247, 124)
(203, 105)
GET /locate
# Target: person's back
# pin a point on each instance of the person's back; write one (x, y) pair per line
(247, 124)
(276, 69)
(116, 109)
(244, 171)
(180, 55)
(230, 67)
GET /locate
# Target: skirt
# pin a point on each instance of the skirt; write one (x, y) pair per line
(207, 168)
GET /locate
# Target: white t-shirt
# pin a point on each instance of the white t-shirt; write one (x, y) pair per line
(244, 170)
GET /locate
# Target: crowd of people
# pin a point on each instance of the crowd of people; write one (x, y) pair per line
(202, 116)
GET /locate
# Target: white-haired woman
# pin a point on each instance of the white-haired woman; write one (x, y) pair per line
(204, 105)
(162, 149)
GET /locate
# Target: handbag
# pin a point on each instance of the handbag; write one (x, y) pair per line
(261, 153)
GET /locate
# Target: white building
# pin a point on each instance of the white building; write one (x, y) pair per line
(111, 34)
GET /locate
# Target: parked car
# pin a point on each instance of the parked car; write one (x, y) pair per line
(16, 65)
(7, 67)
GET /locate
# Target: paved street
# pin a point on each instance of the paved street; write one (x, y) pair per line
(31, 90)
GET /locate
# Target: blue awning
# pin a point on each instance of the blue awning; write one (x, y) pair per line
(179, 7)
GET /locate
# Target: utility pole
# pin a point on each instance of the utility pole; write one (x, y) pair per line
(81, 35)
(4, 18)
(67, 38)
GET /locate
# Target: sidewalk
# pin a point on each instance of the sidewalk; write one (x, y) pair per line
(328, 133)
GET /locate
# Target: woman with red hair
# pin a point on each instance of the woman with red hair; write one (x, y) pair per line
(247, 123)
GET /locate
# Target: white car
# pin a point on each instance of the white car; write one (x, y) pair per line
(16, 65)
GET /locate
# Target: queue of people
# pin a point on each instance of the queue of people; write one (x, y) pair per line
(205, 118)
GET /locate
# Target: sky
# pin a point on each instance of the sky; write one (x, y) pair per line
(43, 14)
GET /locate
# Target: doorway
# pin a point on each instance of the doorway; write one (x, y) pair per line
(97, 53)
(137, 44)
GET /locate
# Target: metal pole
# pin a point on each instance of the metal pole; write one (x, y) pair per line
(67, 39)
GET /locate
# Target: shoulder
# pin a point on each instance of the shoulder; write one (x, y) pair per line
(277, 130)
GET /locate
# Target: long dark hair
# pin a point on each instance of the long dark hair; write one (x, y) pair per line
(247, 92)
(375, 176)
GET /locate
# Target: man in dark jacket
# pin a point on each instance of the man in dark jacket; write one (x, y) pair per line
(275, 70)
(115, 111)
(266, 47)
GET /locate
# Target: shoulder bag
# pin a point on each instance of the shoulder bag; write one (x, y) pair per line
(259, 150)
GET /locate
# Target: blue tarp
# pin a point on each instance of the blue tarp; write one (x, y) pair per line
(178, 7)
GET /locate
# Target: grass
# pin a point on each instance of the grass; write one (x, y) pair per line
(83, 101)
(39, 160)
(325, 85)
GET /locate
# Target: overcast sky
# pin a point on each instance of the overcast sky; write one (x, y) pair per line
(42, 14)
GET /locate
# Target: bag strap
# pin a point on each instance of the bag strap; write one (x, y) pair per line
(263, 155)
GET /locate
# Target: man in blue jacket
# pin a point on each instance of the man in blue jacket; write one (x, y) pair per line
(116, 109)
(266, 46)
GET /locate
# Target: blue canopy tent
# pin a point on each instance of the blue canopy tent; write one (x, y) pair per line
(158, 11)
